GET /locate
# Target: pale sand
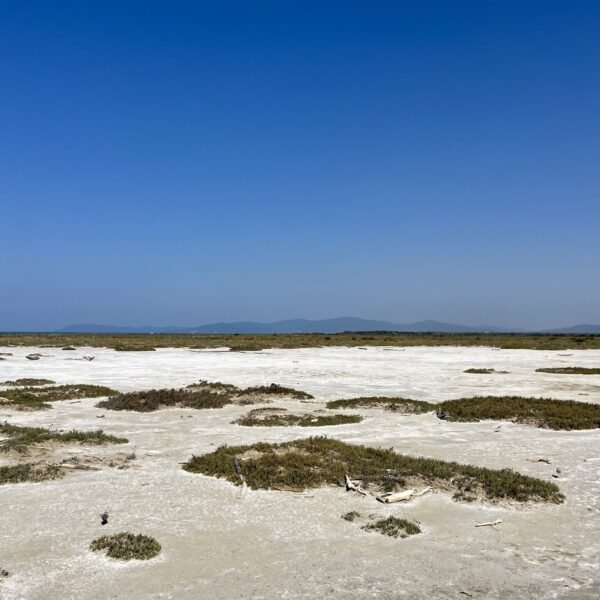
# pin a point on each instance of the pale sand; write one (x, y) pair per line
(281, 545)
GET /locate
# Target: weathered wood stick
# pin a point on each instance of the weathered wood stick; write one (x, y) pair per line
(489, 523)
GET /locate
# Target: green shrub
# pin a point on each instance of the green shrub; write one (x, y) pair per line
(20, 438)
(541, 412)
(318, 461)
(201, 395)
(394, 527)
(350, 516)
(28, 381)
(399, 405)
(243, 342)
(254, 419)
(29, 472)
(570, 370)
(127, 546)
(36, 398)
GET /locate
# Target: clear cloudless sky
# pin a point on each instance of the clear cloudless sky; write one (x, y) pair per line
(178, 163)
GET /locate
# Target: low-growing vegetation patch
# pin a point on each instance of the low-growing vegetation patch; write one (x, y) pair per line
(28, 381)
(350, 516)
(394, 527)
(479, 371)
(278, 390)
(201, 395)
(29, 472)
(319, 461)
(36, 398)
(541, 412)
(262, 418)
(570, 370)
(20, 438)
(251, 341)
(151, 400)
(400, 405)
(127, 546)
(133, 348)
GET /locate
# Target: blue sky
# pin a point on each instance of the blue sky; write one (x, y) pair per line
(174, 163)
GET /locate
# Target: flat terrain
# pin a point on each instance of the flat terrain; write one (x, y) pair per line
(218, 543)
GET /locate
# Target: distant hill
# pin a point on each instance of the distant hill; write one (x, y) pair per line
(337, 325)
(585, 328)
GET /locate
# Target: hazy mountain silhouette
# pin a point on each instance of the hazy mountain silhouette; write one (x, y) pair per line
(336, 325)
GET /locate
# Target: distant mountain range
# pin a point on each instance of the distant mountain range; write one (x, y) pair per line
(337, 325)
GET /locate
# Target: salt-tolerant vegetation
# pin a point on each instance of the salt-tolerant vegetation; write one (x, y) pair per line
(482, 371)
(439, 476)
(24, 472)
(320, 461)
(38, 398)
(394, 527)
(401, 405)
(539, 412)
(202, 395)
(27, 381)
(18, 439)
(253, 342)
(258, 418)
(127, 546)
(570, 370)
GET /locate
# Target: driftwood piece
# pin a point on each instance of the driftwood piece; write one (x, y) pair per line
(489, 523)
(537, 460)
(404, 496)
(352, 486)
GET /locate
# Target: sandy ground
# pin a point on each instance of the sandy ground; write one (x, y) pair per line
(283, 545)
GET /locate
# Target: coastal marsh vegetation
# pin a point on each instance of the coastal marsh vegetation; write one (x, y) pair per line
(545, 413)
(127, 546)
(254, 342)
(27, 381)
(393, 527)
(19, 439)
(405, 406)
(29, 472)
(480, 371)
(261, 418)
(38, 398)
(201, 395)
(570, 370)
(320, 461)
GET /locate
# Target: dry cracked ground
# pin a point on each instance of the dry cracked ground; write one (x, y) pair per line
(217, 542)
